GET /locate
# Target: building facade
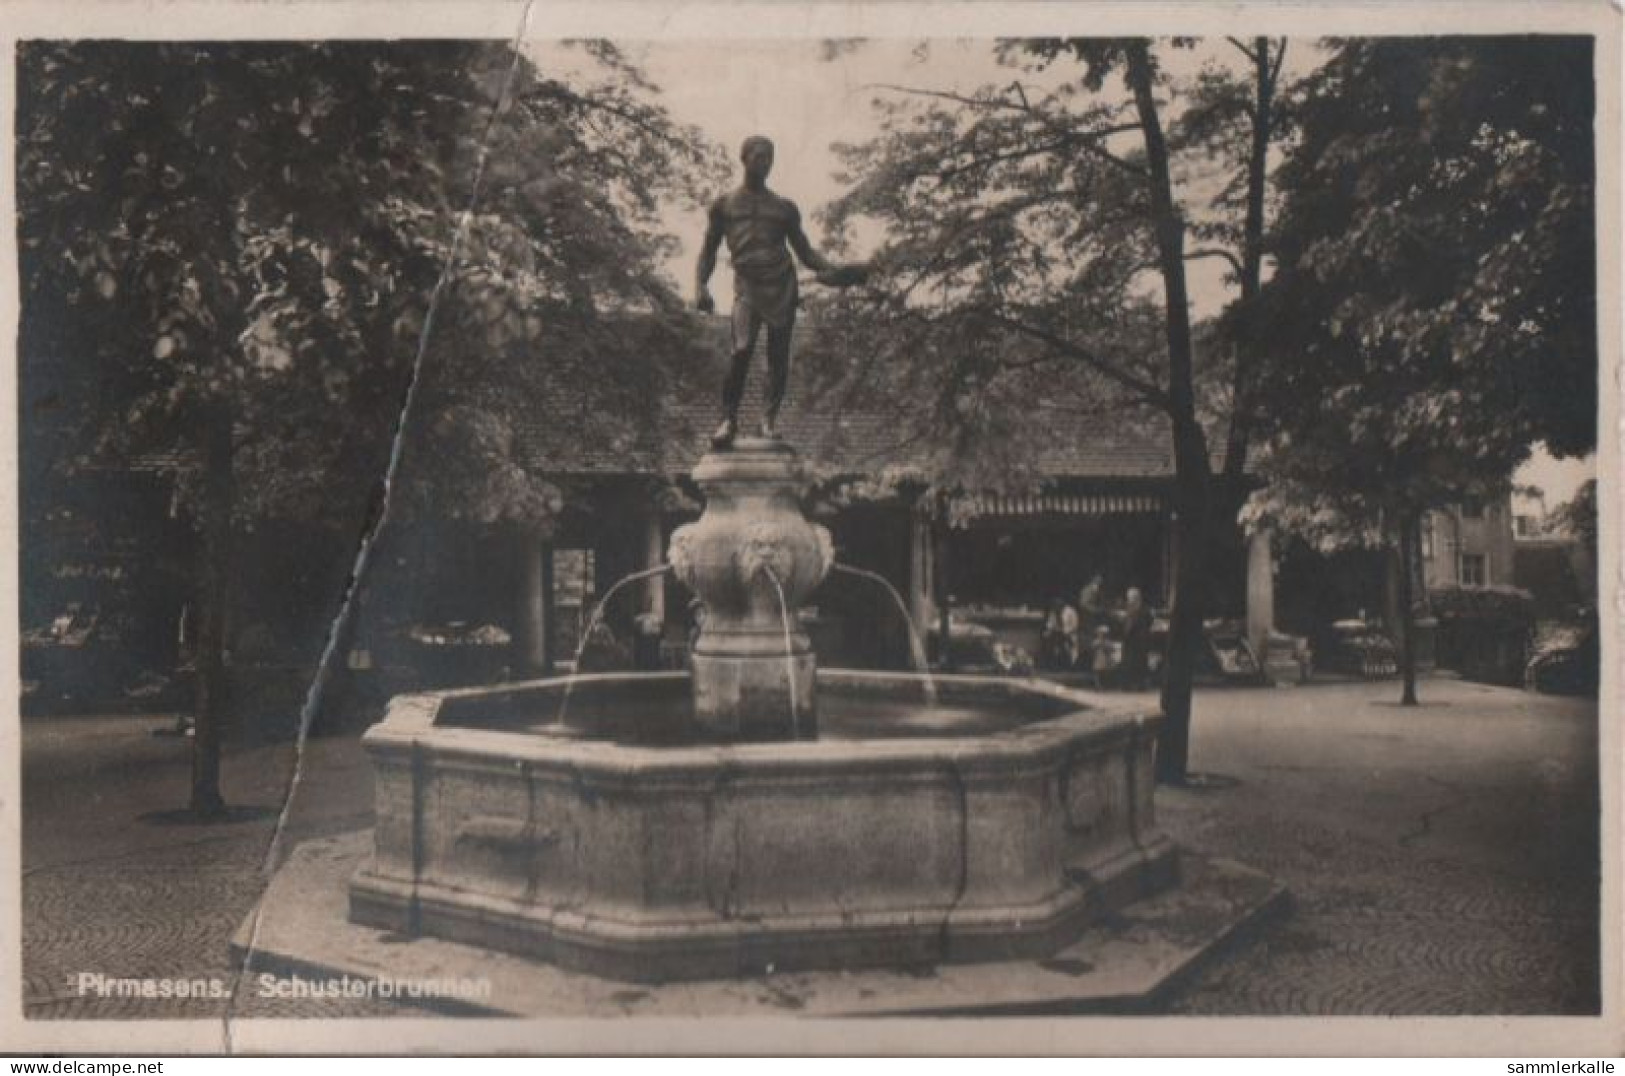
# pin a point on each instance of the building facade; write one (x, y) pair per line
(1469, 545)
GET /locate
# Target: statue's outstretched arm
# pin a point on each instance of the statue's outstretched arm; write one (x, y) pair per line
(804, 249)
(829, 273)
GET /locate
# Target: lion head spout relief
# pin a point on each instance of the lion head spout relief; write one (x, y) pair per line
(680, 554)
(765, 546)
(826, 549)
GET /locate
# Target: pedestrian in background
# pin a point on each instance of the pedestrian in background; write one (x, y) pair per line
(1136, 641)
(1101, 657)
(1052, 640)
(1092, 604)
(1071, 638)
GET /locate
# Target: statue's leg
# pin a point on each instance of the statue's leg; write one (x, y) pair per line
(745, 326)
(733, 386)
(778, 375)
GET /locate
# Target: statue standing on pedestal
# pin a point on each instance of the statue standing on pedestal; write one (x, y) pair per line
(761, 229)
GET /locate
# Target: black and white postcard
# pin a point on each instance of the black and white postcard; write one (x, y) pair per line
(556, 528)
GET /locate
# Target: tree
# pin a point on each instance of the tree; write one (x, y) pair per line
(1022, 223)
(1236, 119)
(241, 251)
(1577, 517)
(1435, 293)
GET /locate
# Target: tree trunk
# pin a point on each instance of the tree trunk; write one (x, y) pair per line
(215, 519)
(1192, 468)
(1408, 542)
(1185, 617)
(1252, 253)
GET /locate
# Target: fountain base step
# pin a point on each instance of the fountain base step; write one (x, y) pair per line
(640, 946)
(1131, 962)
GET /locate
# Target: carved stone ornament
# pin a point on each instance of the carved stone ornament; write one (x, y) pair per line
(680, 554)
(826, 549)
(765, 547)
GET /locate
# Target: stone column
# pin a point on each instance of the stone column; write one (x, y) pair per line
(533, 619)
(920, 550)
(941, 564)
(1260, 591)
(1170, 555)
(654, 555)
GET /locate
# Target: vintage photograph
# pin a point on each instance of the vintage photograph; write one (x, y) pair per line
(805, 527)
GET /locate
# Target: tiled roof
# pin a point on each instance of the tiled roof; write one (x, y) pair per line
(851, 440)
(559, 437)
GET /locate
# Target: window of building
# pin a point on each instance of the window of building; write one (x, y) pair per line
(1427, 537)
(1524, 526)
(1472, 569)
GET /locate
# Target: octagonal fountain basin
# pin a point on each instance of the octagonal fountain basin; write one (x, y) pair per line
(993, 825)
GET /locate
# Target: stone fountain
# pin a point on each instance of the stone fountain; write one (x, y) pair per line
(979, 844)
(759, 814)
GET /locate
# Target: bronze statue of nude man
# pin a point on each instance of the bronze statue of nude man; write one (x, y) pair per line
(761, 229)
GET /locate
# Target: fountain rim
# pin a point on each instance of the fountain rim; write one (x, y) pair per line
(410, 724)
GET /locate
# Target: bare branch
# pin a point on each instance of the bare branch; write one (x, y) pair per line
(1084, 139)
(1146, 390)
(1006, 211)
(1000, 158)
(588, 102)
(1275, 68)
(887, 453)
(1243, 49)
(1215, 252)
(946, 95)
(1111, 158)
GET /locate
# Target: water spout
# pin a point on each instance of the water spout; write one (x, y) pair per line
(592, 625)
(789, 650)
(916, 647)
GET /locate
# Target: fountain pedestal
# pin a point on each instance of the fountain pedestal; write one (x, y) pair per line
(752, 559)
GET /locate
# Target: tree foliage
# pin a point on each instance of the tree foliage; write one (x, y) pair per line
(1577, 517)
(174, 252)
(1436, 287)
(1014, 231)
(1018, 271)
(1435, 294)
(267, 225)
(238, 252)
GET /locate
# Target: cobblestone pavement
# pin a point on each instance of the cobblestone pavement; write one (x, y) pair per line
(1442, 859)
(119, 883)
